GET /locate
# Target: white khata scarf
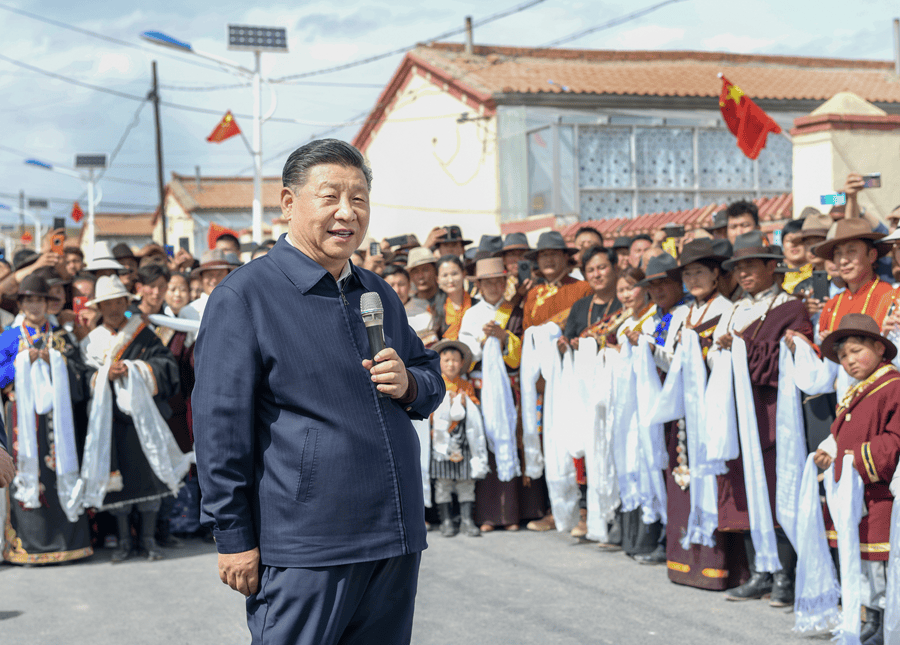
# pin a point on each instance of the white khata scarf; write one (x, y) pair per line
(423, 431)
(40, 389)
(533, 345)
(603, 493)
(456, 408)
(134, 397)
(625, 429)
(845, 503)
(791, 441)
(654, 458)
(720, 424)
(817, 590)
(762, 528)
(499, 409)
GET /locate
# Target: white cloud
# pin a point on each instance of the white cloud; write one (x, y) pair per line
(114, 62)
(646, 37)
(742, 44)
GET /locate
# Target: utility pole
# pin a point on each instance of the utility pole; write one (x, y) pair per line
(21, 213)
(154, 96)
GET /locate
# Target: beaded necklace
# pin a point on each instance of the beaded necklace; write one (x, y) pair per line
(837, 306)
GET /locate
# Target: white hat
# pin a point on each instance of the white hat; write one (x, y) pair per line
(109, 287)
(103, 258)
(893, 237)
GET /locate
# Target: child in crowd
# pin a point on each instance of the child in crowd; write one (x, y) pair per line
(868, 427)
(459, 449)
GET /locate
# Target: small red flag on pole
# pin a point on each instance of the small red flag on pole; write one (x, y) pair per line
(27, 238)
(77, 213)
(226, 129)
(746, 120)
(215, 232)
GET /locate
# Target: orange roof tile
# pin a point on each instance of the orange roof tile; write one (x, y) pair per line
(223, 193)
(771, 209)
(123, 224)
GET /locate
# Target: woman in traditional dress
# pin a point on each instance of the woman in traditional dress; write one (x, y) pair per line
(42, 374)
(637, 306)
(451, 280)
(717, 567)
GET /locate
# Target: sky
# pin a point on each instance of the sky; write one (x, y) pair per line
(52, 120)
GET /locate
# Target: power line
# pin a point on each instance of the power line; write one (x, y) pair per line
(69, 200)
(117, 180)
(615, 22)
(402, 50)
(234, 86)
(131, 126)
(110, 39)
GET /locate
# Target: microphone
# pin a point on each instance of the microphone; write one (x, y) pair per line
(373, 318)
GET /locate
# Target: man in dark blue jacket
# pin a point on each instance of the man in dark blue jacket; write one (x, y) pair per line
(310, 481)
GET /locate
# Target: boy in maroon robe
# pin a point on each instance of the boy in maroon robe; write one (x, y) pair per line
(868, 427)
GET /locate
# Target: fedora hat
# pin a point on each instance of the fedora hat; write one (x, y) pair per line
(453, 234)
(893, 237)
(489, 246)
(213, 259)
(103, 259)
(815, 223)
(750, 246)
(719, 221)
(659, 267)
(461, 347)
(489, 268)
(419, 256)
(622, 242)
(699, 249)
(109, 287)
(550, 241)
(34, 285)
(845, 230)
(514, 242)
(857, 325)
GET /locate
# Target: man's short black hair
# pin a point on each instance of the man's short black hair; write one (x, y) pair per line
(391, 269)
(73, 250)
(150, 273)
(743, 207)
(642, 236)
(792, 226)
(322, 151)
(589, 229)
(229, 236)
(589, 254)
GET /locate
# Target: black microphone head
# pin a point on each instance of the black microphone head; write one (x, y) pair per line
(371, 308)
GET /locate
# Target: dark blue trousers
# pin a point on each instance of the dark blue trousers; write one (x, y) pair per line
(359, 604)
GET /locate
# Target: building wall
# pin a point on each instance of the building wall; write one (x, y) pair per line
(430, 170)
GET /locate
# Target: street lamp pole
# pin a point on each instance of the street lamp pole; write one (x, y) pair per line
(257, 212)
(89, 227)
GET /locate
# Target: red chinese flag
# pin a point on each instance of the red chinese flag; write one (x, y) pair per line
(746, 120)
(27, 238)
(215, 232)
(77, 213)
(226, 129)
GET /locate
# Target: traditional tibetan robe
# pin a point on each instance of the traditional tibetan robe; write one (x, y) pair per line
(42, 535)
(453, 316)
(588, 318)
(873, 299)
(763, 319)
(868, 425)
(547, 302)
(135, 342)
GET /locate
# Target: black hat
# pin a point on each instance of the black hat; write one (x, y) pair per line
(24, 258)
(659, 267)
(514, 242)
(699, 249)
(34, 285)
(720, 220)
(750, 246)
(489, 246)
(622, 243)
(122, 250)
(51, 275)
(453, 234)
(722, 246)
(550, 241)
(857, 325)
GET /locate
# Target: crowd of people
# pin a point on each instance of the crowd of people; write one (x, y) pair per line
(686, 398)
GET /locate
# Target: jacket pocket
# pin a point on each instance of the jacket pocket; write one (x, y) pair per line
(307, 465)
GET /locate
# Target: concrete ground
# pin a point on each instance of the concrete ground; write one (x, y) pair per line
(501, 588)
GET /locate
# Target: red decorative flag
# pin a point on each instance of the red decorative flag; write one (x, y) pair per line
(215, 232)
(746, 120)
(77, 213)
(27, 238)
(226, 129)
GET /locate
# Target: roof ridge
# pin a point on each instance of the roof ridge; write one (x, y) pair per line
(614, 55)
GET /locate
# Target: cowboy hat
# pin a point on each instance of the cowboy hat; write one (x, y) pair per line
(857, 325)
(550, 241)
(419, 256)
(659, 267)
(103, 259)
(109, 287)
(844, 230)
(461, 347)
(750, 246)
(489, 268)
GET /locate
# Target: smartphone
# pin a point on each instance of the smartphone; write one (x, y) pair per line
(79, 303)
(170, 250)
(820, 288)
(399, 240)
(58, 243)
(872, 180)
(673, 230)
(834, 199)
(374, 248)
(184, 243)
(60, 222)
(525, 268)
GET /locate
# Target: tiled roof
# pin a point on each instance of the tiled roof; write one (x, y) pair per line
(494, 70)
(771, 209)
(223, 193)
(122, 224)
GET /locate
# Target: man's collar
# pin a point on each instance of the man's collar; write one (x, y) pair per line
(771, 292)
(305, 272)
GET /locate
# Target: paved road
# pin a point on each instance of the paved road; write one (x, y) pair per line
(502, 588)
